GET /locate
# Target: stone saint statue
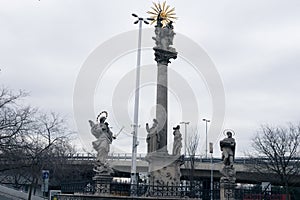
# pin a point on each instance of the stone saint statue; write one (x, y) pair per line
(151, 136)
(177, 141)
(227, 181)
(228, 149)
(104, 138)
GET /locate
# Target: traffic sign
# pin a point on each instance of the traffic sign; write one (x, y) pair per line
(45, 177)
(45, 174)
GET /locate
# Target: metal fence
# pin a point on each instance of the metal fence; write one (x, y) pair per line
(184, 190)
(195, 190)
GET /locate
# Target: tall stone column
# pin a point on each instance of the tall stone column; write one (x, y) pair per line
(162, 106)
(164, 169)
(163, 54)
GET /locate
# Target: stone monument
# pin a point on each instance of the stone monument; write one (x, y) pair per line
(164, 169)
(177, 145)
(103, 171)
(227, 181)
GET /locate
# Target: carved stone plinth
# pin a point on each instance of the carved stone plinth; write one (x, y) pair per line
(164, 173)
(103, 178)
(102, 183)
(227, 183)
(163, 56)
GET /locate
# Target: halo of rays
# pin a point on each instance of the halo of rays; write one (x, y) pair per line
(166, 13)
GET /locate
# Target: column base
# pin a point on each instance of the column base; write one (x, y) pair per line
(164, 174)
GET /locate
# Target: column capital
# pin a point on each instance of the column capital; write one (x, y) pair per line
(163, 56)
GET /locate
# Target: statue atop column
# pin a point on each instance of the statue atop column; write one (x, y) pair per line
(164, 35)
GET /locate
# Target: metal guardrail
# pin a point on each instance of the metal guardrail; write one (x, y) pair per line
(127, 156)
(141, 157)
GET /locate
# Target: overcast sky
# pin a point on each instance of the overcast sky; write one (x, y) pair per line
(254, 45)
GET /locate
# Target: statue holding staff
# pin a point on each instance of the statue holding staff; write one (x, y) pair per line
(104, 137)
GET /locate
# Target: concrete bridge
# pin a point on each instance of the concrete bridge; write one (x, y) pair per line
(203, 167)
(122, 165)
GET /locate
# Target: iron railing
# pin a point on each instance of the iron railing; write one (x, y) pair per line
(183, 190)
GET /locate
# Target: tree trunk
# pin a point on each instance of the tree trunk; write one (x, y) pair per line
(32, 186)
(287, 188)
(192, 174)
(30, 191)
(35, 184)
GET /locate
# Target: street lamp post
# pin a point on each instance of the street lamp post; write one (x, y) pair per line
(185, 135)
(206, 121)
(136, 108)
(211, 150)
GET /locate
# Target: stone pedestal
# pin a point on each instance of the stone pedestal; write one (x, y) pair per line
(102, 178)
(227, 183)
(164, 174)
(102, 183)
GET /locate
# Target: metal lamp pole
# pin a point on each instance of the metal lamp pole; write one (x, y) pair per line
(211, 150)
(136, 109)
(206, 121)
(185, 135)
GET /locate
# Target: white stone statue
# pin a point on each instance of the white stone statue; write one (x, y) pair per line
(177, 145)
(104, 138)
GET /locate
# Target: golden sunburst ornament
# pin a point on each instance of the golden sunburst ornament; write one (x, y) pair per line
(164, 12)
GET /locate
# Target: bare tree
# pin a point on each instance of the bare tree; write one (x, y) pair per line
(15, 119)
(7, 97)
(277, 150)
(30, 141)
(47, 146)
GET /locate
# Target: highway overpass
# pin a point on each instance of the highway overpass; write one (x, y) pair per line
(243, 166)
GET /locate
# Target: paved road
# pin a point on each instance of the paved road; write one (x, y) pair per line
(4, 198)
(14, 194)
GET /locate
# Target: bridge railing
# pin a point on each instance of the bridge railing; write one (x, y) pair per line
(111, 156)
(141, 157)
